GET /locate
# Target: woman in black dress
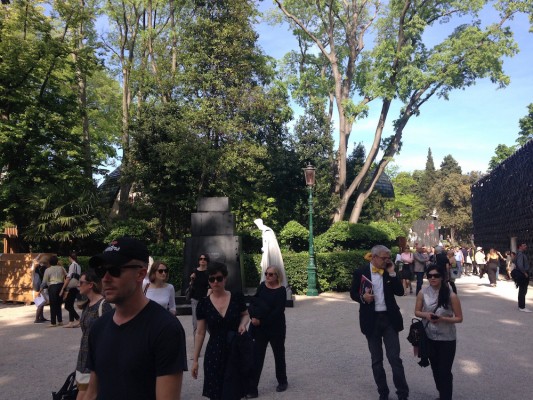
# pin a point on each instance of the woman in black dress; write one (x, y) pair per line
(267, 312)
(225, 315)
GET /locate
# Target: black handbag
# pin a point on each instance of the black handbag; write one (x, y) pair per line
(517, 275)
(69, 390)
(418, 338)
(188, 292)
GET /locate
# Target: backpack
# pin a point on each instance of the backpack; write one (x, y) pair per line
(69, 390)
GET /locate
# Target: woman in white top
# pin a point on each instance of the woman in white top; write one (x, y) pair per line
(158, 289)
(70, 291)
(441, 307)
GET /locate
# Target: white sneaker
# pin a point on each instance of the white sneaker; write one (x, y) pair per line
(525, 310)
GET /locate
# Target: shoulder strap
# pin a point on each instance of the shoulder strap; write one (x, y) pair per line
(100, 307)
(146, 288)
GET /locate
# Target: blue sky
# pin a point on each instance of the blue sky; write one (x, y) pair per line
(468, 126)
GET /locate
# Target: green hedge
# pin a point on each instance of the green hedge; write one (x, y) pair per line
(346, 236)
(334, 270)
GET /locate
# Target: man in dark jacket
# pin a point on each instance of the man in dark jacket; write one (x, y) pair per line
(522, 264)
(374, 287)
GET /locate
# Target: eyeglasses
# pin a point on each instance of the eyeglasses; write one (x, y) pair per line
(384, 258)
(163, 271)
(430, 276)
(113, 270)
(270, 274)
(84, 282)
(218, 278)
(202, 258)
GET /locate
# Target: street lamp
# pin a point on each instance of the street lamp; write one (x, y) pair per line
(309, 173)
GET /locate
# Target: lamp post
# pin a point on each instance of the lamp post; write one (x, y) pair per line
(309, 173)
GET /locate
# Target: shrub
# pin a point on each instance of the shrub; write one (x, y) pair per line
(346, 236)
(294, 237)
(392, 229)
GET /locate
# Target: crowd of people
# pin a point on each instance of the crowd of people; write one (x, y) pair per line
(133, 346)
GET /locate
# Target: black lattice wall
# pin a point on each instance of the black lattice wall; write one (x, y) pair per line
(502, 203)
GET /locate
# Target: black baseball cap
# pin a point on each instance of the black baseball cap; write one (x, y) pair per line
(120, 251)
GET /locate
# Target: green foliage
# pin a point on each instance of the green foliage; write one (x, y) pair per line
(502, 152)
(134, 227)
(346, 236)
(449, 166)
(294, 237)
(526, 123)
(393, 230)
(334, 270)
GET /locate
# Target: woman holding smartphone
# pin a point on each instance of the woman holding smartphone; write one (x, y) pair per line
(441, 307)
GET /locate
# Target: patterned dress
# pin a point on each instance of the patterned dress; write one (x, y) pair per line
(218, 348)
(88, 316)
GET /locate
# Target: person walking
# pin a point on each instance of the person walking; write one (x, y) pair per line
(92, 309)
(200, 287)
(53, 278)
(267, 313)
(40, 266)
(70, 291)
(522, 264)
(374, 287)
(136, 351)
(480, 260)
(407, 271)
(224, 314)
(493, 265)
(158, 289)
(421, 259)
(441, 308)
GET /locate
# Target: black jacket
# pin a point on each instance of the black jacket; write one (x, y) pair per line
(367, 317)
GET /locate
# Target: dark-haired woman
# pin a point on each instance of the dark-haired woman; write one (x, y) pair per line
(441, 307)
(225, 315)
(70, 291)
(92, 309)
(200, 286)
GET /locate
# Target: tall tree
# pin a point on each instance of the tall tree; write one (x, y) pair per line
(399, 66)
(449, 166)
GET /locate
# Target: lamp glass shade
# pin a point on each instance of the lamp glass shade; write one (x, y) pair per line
(309, 173)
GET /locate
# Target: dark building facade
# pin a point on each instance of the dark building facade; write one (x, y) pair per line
(502, 204)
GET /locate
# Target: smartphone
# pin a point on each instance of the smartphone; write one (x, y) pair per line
(434, 316)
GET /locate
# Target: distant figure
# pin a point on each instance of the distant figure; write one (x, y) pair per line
(158, 289)
(271, 251)
(53, 277)
(200, 287)
(522, 264)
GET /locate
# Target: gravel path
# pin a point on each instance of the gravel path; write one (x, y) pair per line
(327, 356)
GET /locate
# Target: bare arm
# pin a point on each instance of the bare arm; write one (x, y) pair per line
(168, 387)
(198, 343)
(457, 310)
(245, 318)
(419, 305)
(92, 389)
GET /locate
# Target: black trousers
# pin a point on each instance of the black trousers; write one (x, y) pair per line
(69, 304)
(55, 303)
(261, 340)
(441, 356)
(523, 284)
(384, 334)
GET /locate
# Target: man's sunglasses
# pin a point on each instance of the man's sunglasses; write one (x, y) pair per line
(218, 278)
(113, 270)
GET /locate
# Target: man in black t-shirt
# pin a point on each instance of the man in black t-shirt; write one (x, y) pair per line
(138, 351)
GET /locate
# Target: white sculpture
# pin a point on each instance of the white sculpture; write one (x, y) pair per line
(271, 252)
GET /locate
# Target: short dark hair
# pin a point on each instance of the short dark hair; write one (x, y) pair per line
(205, 255)
(74, 256)
(54, 260)
(215, 267)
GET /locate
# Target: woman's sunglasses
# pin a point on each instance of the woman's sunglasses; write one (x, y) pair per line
(113, 270)
(218, 278)
(436, 276)
(270, 274)
(163, 271)
(202, 258)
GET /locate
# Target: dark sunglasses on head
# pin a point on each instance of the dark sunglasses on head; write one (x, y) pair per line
(113, 270)
(437, 276)
(270, 274)
(218, 278)
(163, 271)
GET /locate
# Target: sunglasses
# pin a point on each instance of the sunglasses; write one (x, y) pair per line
(218, 278)
(113, 270)
(270, 274)
(436, 276)
(202, 258)
(163, 271)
